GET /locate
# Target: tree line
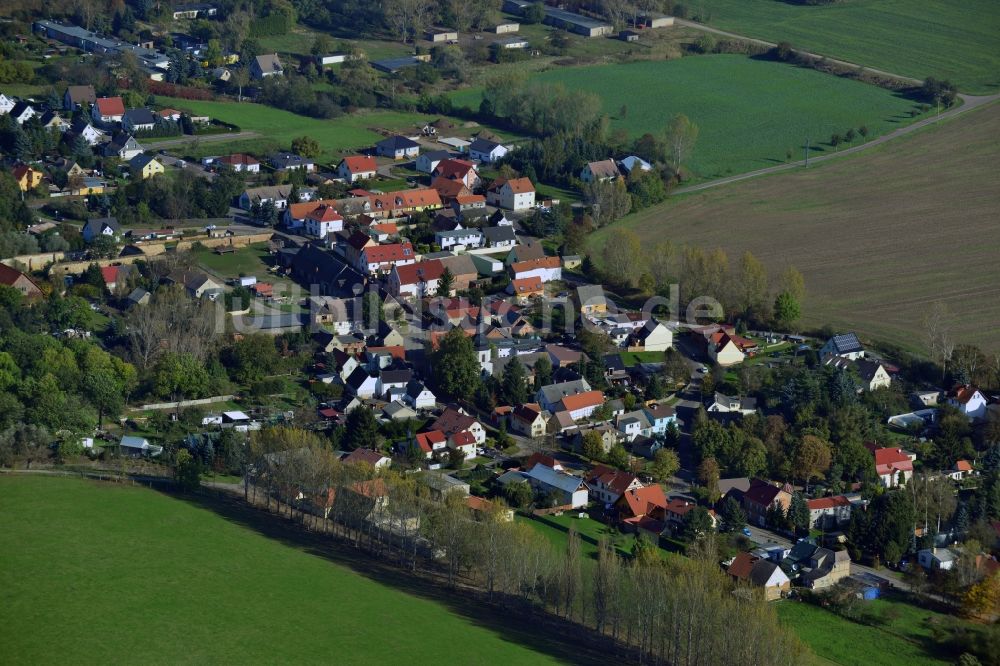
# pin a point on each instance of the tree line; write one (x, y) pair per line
(673, 611)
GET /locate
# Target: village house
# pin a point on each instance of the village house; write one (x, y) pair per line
(415, 280)
(760, 497)
(292, 162)
(108, 110)
(240, 162)
(760, 573)
(27, 178)
(427, 162)
(607, 484)
(459, 239)
(274, 194)
(487, 151)
(969, 400)
(531, 287)
(829, 512)
(138, 120)
(529, 420)
(266, 65)
(633, 164)
(322, 221)
(460, 170)
(11, 277)
(419, 396)
(722, 349)
(643, 510)
(367, 457)
(500, 237)
(145, 167)
(893, 466)
(654, 336)
(961, 470)
(596, 172)
(873, 374)
(546, 269)
(549, 396)
(936, 559)
(76, 96)
(725, 404)
(567, 490)
(431, 442)
(22, 112)
(123, 146)
(514, 194)
(356, 167)
(100, 226)
(340, 314)
(397, 147)
(845, 344)
(580, 406)
(453, 420)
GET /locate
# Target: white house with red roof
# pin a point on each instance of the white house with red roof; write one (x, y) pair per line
(240, 162)
(546, 269)
(463, 441)
(511, 194)
(722, 349)
(322, 221)
(459, 170)
(356, 167)
(108, 110)
(894, 466)
(431, 442)
(382, 258)
(830, 511)
(581, 405)
(969, 400)
(960, 470)
(453, 420)
(415, 280)
(608, 484)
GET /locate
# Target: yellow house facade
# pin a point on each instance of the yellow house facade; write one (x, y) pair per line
(146, 167)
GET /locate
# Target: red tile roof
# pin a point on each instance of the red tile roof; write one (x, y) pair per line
(533, 264)
(962, 393)
(528, 285)
(888, 461)
(110, 274)
(517, 185)
(364, 456)
(110, 106)
(963, 466)
(424, 271)
(325, 213)
(583, 400)
(452, 169)
(238, 158)
(463, 438)
(427, 440)
(741, 566)
(643, 501)
(613, 479)
(299, 211)
(359, 163)
(385, 254)
(827, 502)
(449, 189)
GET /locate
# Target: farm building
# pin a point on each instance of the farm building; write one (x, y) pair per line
(560, 18)
(506, 28)
(442, 36)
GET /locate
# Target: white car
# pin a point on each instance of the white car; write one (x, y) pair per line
(702, 370)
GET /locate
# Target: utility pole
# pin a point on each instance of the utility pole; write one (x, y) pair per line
(807, 152)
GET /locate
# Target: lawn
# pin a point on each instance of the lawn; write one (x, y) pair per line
(635, 358)
(750, 113)
(344, 134)
(848, 643)
(951, 39)
(248, 261)
(93, 573)
(878, 236)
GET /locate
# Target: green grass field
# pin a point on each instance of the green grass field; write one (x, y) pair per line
(336, 136)
(245, 261)
(750, 113)
(841, 641)
(952, 39)
(96, 573)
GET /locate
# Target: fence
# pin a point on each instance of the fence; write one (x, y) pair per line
(186, 403)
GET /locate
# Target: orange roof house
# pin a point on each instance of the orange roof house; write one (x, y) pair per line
(527, 287)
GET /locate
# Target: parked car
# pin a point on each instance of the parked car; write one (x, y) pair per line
(746, 532)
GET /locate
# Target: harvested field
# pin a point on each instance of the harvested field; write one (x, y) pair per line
(879, 237)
